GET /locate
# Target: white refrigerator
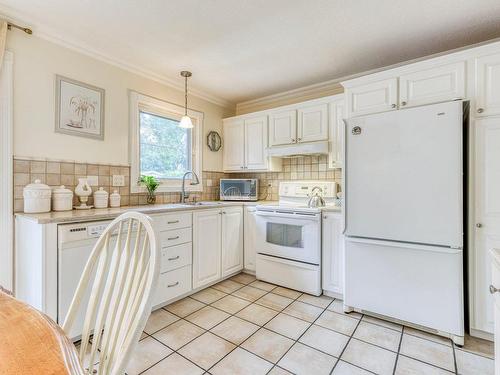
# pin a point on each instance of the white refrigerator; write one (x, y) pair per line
(404, 216)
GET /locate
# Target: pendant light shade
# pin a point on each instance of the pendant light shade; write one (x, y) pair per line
(186, 122)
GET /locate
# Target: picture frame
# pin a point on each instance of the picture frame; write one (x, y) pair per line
(79, 108)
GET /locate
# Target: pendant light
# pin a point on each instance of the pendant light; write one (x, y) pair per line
(186, 122)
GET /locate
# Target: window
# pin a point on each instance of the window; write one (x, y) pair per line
(165, 149)
(159, 147)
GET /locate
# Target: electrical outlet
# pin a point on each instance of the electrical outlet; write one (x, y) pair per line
(93, 180)
(118, 180)
(209, 182)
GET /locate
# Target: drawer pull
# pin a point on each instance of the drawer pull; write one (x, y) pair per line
(173, 222)
(174, 258)
(493, 290)
(172, 285)
(173, 238)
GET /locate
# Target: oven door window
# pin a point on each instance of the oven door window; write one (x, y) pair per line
(285, 235)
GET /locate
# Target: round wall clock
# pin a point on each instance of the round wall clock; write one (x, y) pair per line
(214, 141)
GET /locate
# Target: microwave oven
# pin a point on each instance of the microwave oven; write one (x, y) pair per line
(239, 189)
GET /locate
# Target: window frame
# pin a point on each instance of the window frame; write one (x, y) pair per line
(144, 103)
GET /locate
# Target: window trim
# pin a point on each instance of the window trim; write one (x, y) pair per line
(151, 105)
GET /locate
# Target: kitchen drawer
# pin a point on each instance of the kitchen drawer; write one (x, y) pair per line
(176, 256)
(172, 284)
(173, 221)
(175, 237)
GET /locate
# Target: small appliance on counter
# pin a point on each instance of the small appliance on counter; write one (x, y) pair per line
(239, 189)
(288, 235)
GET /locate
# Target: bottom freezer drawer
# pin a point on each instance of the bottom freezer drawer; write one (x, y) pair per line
(418, 284)
(290, 274)
(172, 284)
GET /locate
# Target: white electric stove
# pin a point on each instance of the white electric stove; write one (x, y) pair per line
(288, 237)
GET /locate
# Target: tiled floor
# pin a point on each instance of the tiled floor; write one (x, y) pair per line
(243, 326)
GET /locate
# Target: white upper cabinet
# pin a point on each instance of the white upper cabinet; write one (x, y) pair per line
(312, 123)
(233, 149)
(282, 128)
(372, 97)
(256, 143)
(488, 85)
(336, 147)
(232, 240)
(432, 85)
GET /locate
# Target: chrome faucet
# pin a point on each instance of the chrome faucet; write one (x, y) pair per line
(196, 181)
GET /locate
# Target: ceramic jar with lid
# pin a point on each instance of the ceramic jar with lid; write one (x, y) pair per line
(101, 198)
(62, 199)
(37, 197)
(114, 199)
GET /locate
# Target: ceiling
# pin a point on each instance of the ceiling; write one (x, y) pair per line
(239, 50)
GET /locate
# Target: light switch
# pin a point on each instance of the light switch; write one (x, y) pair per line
(93, 180)
(118, 180)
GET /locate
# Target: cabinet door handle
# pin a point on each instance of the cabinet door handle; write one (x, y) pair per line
(493, 290)
(172, 285)
(403, 103)
(480, 110)
(174, 258)
(479, 225)
(393, 105)
(293, 140)
(299, 139)
(173, 238)
(173, 222)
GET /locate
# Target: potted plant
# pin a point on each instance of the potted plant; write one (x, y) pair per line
(151, 184)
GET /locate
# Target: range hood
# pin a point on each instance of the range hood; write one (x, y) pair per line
(299, 149)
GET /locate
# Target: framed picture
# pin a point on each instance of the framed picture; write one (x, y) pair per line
(79, 108)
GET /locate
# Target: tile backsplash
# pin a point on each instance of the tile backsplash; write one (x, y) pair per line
(297, 168)
(56, 173)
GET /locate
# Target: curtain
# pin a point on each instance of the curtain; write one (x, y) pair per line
(3, 39)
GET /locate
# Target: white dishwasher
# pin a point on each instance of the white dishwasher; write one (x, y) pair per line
(74, 245)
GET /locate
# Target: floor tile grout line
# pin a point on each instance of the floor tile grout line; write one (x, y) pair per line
(347, 344)
(399, 348)
(426, 363)
(260, 327)
(455, 359)
(297, 340)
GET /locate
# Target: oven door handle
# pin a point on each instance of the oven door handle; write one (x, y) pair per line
(311, 217)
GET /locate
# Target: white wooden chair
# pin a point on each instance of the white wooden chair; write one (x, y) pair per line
(125, 263)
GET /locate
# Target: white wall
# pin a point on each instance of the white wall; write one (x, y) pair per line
(37, 61)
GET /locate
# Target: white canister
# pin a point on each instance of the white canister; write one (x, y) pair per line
(37, 197)
(101, 198)
(114, 199)
(62, 199)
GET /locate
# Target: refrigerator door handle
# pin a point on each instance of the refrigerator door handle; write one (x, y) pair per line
(413, 246)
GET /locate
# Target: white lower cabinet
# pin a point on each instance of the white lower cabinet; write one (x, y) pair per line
(249, 239)
(207, 226)
(495, 291)
(333, 253)
(232, 240)
(172, 284)
(217, 244)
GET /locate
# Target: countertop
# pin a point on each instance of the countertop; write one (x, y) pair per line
(95, 214)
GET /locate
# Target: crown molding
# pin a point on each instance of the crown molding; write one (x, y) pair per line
(314, 91)
(52, 36)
